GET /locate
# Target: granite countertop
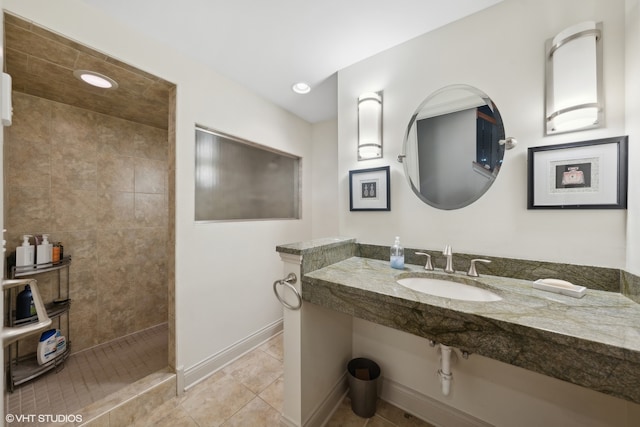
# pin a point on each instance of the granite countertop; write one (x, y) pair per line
(593, 341)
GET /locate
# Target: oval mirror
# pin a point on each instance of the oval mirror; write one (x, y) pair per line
(454, 146)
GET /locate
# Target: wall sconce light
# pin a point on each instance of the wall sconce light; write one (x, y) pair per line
(370, 126)
(574, 79)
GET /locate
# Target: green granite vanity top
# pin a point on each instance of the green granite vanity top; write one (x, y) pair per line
(593, 341)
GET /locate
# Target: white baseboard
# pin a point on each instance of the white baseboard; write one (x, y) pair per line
(207, 367)
(286, 422)
(327, 407)
(425, 407)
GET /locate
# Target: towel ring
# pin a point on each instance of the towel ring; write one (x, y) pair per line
(288, 282)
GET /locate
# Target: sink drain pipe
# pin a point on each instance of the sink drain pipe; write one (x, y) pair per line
(445, 369)
(444, 373)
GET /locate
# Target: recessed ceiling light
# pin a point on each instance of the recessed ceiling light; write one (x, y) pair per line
(301, 88)
(96, 79)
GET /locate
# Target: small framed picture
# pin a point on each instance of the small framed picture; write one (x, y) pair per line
(579, 175)
(369, 189)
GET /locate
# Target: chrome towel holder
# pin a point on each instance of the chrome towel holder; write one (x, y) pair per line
(288, 282)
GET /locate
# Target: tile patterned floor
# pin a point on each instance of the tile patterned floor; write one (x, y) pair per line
(249, 393)
(92, 374)
(246, 393)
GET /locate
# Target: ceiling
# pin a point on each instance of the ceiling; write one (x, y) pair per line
(41, 63)
(267, 46)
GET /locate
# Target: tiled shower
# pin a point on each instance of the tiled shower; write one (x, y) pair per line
(99, 183)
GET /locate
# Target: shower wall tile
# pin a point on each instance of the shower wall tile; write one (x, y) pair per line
(74, 131)
(148, 143)
(28, 164)
(73, 172)
(150, 210)
(171, 247)
(115, 136)
(74, 209)
(31, 120)
(28, 209)
(84, 309)
(99, 185)
(116, 172)
(145, 291)
(150, 245)
(115, 247)
(115, 210)
(150, 176)
(81, 245)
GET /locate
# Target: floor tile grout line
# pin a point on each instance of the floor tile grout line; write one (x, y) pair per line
(82, 382)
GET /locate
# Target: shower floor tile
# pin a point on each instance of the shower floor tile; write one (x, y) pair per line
(92, 374)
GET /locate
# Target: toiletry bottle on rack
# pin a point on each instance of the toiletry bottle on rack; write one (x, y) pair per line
(25, 254)
(43, 253)
(24, 304)
(397, 255)
(47, 346)
(55, 253)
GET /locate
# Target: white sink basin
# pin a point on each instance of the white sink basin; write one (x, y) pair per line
(448, 289)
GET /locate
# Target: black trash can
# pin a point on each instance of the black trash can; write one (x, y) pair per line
(363, 386)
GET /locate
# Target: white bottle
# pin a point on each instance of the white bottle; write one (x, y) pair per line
(25, 254)
(61, 343)
(47, 346)
(43, 254)
(397, 255)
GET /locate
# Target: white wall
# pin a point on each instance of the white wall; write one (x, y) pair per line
(633, 130)
(224, 271)
(500, 51)
(324, 182)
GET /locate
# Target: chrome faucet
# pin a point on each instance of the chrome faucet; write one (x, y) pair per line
(428, 266)
(472, 269)
(449, 254)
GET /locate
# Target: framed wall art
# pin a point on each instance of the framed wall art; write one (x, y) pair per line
(369, 189)
(579, 175)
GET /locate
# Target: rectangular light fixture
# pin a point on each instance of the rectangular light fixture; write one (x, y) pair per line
(370, 126)
(574, 79)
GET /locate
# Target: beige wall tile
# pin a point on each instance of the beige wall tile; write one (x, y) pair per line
(150, 176)
(31, 120)
(150, 143)
(116, 136)
(28, 164)
(115, 210)
(28, 208)
(84, 195)
(71, 170)
(116, 173)
(150, 210)
(74, 209)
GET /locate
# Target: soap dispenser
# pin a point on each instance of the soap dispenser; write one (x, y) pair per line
(43, 253)
(25, 254)
(397, 255)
